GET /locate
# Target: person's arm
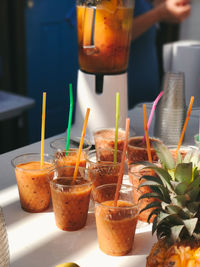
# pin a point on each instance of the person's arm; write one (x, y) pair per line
(173, 11)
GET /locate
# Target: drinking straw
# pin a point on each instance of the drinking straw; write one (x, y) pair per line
(70, 117)
(121, 171)
(146, 133)
(116, 126)
(185, 124)
(43, 129)
(152, 112)
(81, 144)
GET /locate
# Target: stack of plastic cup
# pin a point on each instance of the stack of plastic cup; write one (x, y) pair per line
(171, 109)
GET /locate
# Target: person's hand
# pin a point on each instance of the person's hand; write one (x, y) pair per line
(174, 11)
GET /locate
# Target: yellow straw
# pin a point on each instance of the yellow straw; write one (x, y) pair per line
(146, 133)
(81, 144)
(121, 171)
(43, 128)
(116, 126)
(185, 124)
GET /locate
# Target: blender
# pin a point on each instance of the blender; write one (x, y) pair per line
(104, 36)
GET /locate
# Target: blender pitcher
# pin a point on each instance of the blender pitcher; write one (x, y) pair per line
(104, 35)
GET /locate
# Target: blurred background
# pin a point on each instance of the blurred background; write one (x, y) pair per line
(38, 52)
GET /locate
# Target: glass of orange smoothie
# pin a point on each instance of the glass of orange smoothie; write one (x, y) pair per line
(135, 172)
(59, 144)
(137, 149)
(184, 149)
(115, 225)
(71, 200)
(33, 180)
(102, 168)
(105, 138)
(69, 158)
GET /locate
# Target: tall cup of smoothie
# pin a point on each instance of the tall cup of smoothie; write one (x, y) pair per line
(116, 225)
(105, 138)
(71, 200)
(33, 180)
(137, 149)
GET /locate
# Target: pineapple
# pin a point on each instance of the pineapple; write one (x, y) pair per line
(177, 220)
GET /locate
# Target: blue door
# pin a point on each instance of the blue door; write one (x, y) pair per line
(52, 63)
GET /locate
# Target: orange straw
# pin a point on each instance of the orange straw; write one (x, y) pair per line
(146, 133)
(121, 172)
(185, 124)
(81, 144)
(43, 129)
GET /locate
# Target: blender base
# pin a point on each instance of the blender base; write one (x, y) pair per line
(102, 106)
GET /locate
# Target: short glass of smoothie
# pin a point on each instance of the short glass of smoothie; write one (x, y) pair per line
(71, 201)
(101, 165)
(33, 180)
(116, 225)
(69, 158)
(105, 138)
(59, 144)
(184, 149)
(137, 149)
(135, 172)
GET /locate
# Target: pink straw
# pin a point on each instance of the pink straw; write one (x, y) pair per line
(152, 112)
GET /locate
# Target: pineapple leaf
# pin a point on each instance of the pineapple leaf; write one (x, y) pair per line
(162, 216)
(176, 210)
(183, 172)
(151, 195)
(154, 225)
(151, 178)
(164, 176)
(154, 212)
(193, 189)
(179, 200)
(164, 155)
(193, 207)
(190, 225)
(161, 190)
(178, 158)
(172, 209)
(181, 188)
(148, 183)
(155, 204)
(176, 231)
(187, 157)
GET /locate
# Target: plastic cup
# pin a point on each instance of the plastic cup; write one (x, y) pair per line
(60, 144)
(69, 159)
(115, 225)
(137, 150)
(71, 200)
(184, 149)
(33, 180)
(135, 172)
(103, 169)
(105, 138)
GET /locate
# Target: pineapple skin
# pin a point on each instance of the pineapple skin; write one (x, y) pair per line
(180, 254)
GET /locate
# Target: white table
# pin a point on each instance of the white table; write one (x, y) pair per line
(35, 240)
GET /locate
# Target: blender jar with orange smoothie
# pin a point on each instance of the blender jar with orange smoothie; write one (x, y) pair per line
(104, 35)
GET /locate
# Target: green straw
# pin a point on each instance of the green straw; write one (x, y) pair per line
(70, 117)
(116, 126)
